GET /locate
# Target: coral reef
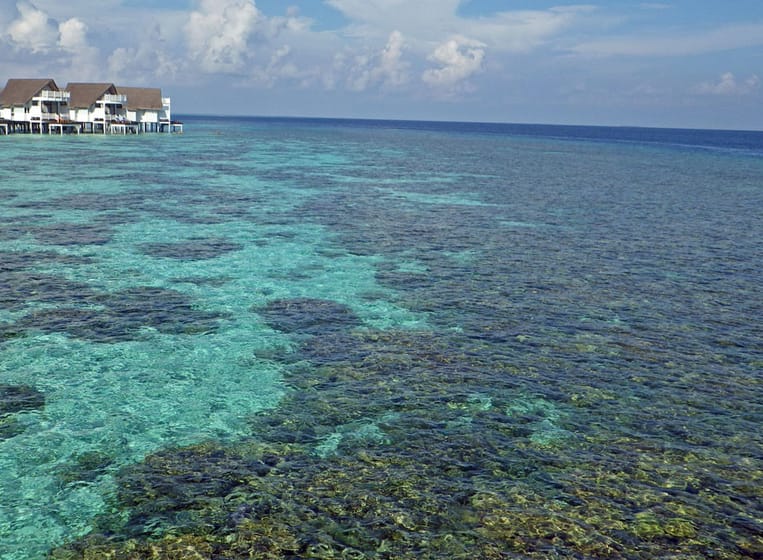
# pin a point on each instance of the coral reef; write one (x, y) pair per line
(120, 316)
(392, 445)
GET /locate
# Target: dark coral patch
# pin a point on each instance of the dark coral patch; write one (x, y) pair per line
(15, 399)
(308, 316)
(19, 285)
(73, 234)
(195, 249)
(166, 487)
(15, 261)
(18, 289)
(99, 202)
(89, 324)
(86, 468)
(9, 332)
(168, 311)
(186, 204)
(19, 398)
(121, 315)
(10, 427)
(11, 232)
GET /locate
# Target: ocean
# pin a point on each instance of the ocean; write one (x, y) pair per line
(316, 338)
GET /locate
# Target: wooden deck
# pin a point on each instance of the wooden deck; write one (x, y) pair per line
(72, 127)
(124, 128)
(68, 127)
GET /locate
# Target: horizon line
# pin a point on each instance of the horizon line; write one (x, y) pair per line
(444, 121)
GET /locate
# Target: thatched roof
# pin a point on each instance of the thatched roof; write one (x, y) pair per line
(142, 98)
(85, 94)
(21, 91)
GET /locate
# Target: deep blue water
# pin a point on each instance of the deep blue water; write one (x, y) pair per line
(327, 338)
(744, 141)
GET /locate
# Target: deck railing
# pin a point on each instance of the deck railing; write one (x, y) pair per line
(111, 98)
(48, 95)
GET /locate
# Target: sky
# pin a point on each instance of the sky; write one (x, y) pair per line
(673, 63)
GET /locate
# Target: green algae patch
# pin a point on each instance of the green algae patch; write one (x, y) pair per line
(648, 525)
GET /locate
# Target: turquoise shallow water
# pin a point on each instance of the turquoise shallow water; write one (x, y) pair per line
(513, 340)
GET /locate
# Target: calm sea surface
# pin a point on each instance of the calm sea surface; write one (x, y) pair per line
(287, 338)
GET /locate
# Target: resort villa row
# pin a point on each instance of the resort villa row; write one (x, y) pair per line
(39, 106)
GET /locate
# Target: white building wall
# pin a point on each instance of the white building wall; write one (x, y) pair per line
(166, 114)
(19, 114)
(35, 112)
(148, 117)
(79, 115)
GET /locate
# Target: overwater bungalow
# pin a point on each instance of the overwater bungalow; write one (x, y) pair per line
(148, 109)
(29, 105)
(39, 106)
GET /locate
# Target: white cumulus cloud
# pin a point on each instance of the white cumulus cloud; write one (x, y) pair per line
(142, 65)
(49, 45)
(83, 59)
(218, 34)
(387, 68)
(459, 58)
(33, 30)
(392, 68)
(279, 67)
(729, 85)
(72, 34)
